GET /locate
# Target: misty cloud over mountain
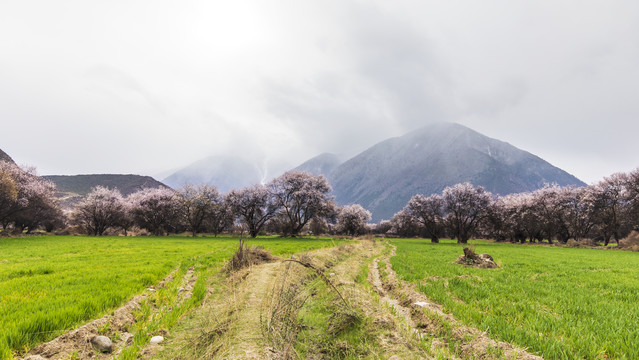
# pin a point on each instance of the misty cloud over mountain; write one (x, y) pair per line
(225, 172)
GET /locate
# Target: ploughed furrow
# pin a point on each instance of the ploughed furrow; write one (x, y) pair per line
(429, 321)
(107, 337)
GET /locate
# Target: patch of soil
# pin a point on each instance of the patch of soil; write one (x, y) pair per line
(78, 340)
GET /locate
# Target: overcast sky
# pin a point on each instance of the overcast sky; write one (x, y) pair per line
(149, 86)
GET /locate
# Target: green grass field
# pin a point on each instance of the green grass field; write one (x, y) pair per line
(51, 284)
(560, 303)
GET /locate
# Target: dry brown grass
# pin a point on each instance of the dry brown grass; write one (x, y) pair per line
(630, 242)
(279, 317)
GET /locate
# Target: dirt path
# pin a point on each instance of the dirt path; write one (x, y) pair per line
(234, 323)
(227, 325)
(248, 298)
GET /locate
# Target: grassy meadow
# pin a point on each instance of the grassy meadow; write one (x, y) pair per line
(50, 284)
(560, 303)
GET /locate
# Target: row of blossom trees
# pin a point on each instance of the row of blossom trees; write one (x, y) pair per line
(287, 205)
(604, 211)
(155, 210)
(298, 201)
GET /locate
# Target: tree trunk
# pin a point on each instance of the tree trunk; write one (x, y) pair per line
(434, 239)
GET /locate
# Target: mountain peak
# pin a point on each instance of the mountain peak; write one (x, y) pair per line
(425, 161)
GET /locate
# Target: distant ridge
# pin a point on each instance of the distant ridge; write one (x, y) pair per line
(384, 177)
(72, 188)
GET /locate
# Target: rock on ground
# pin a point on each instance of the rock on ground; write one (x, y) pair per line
(102, 344)
(156, 339)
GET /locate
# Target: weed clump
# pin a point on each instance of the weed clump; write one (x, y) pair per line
(483, 261)
(248, 256)
(630, 242)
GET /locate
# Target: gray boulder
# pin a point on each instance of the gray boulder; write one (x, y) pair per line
(102, 344)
